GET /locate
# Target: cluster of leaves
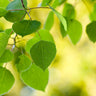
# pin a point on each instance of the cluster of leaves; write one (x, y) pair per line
(41, 48)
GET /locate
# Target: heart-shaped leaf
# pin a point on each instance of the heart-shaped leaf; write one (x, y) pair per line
(74, 30)
(6, 80)
(91, 31)
(6, 56)
(35, 77)
(3, 42)
(24, 63)
(26, 27)
(68, 11)
(43, 53)
(14, 16)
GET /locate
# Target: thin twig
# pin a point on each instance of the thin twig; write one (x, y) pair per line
(29, 8)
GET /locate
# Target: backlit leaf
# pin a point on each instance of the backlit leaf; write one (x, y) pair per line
(61, 18)
(6, 56)
(49, 21)
(45, 2)
(3, 42)
(24, 63)
(69, 11)
(35, 77)
(74, 30)
(6, 80)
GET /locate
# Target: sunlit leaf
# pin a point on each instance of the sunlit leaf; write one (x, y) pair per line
(63, 32)
(45, 2)
(74, 30)
(8, 31)
(4, 3)
(91, 31)
(43, 53)
(69, 11)
(61, 18)
(6, 56)
(3, 42)
(24, 63)
(26, 27)
(49, 21)
(35, 77)
(6, 80)
(57, 3)
(14, 16)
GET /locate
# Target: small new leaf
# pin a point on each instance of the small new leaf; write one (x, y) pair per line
(35, 77)
(26, 27)
(6, 80)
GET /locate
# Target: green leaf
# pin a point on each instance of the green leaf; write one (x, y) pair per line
(57, 3)
(24, 63)
(43, 35)
(3, 42)
(2, 12)
(6, 80)
(93, 14)
(1, 64)
(14, 16)
(4, 3)
(45, 2)
(74, 30)
(8, 31)
(35, 77)
(91, 31)
(69, 11)
(16, 58)
(63, 32)
(26, 27)
(43, 53)
(61, 18)
(6, 56)
(49, 21)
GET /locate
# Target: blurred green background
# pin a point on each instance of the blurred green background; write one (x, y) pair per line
(73, 72)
